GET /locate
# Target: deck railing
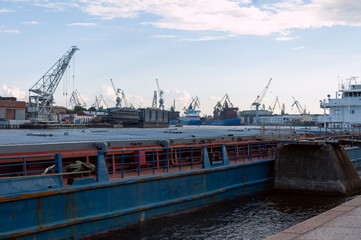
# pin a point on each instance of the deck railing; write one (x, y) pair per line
(26, 165)
(145, 161)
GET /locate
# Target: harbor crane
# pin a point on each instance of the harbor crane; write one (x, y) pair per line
(99, 103)
(273, 105)
(118, 99)
(193, 103)
(257, 102)
(41, 94)
(160, 93)
(76, 100)
(225, 102)
(300, 109)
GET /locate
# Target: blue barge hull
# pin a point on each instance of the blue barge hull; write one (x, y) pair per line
(81, 210)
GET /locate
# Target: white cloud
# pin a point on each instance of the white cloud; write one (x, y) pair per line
(297, 48)
(2, 30)
(88, 24)
(31, 23)
(163, 36)
(5, 10)
(180, 97)
(12, 91)
(208, 38)
(233, 17)
(284, 38)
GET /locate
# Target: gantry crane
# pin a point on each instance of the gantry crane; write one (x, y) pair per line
(77, 100)
(257, 102)
(300, 109)
(160, 93)
(225, 102)
(99, 103)
(41, 95)
(118, 99)
(273, 105)
(193, 103)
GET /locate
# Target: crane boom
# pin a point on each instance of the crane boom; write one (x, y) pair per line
(41, 93)
(160, 93)
(299, 107)
(260, 97)
(118, 100)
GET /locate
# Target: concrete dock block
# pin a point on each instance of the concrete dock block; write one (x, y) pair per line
(320, 168)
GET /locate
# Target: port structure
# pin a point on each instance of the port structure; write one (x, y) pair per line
(99, 103)
(76, 100)
(224, 103)
(193, 103)
(257, 102)
(41, 94)
(160, 93)
(117, 92)
(300, 109)
(273, 105)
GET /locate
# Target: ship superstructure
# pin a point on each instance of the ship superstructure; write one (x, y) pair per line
(346, 110)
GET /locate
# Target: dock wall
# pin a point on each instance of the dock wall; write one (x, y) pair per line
(317, 168)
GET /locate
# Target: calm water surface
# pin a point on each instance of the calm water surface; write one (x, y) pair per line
(253, 217)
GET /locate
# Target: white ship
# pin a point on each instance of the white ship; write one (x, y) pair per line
(344, 111)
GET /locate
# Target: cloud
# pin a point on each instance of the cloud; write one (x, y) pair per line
(181, 98)
(297, 48)
(5, 10)
(232, 17)
(284, 38)
(12, 91)
(163, 36)
(82, 24)
(3, 30)
(31, 23)
(208, 38)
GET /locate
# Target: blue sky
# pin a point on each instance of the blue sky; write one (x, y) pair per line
(194, 47)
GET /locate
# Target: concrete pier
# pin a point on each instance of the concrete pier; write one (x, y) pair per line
(318, 168)
(342, 222)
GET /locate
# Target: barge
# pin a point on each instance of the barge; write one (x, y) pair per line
(126, 180)
(132, 181)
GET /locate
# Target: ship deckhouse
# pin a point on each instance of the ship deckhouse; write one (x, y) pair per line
(344, 111)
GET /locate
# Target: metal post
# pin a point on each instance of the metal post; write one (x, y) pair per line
(191, 158)
(58, 163)
(243, 155)
(180, 159)
(24, 166)
(235, 153)
(167, 159)
(250, 155)
(123, 164)
(265, 150)
(259, 151)
(153, 160)
(138, 162)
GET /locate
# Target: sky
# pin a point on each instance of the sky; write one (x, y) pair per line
(203, 48)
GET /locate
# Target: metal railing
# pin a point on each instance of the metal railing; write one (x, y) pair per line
(152, 160)
(30, 165)
(250, 151)
(135, 162)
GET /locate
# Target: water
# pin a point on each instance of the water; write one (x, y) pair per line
(253, 217)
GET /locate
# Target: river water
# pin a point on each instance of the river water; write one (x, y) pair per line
(252, 217)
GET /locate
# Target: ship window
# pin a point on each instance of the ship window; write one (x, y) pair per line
(337, 112)
(352, 111)
(346, 94)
